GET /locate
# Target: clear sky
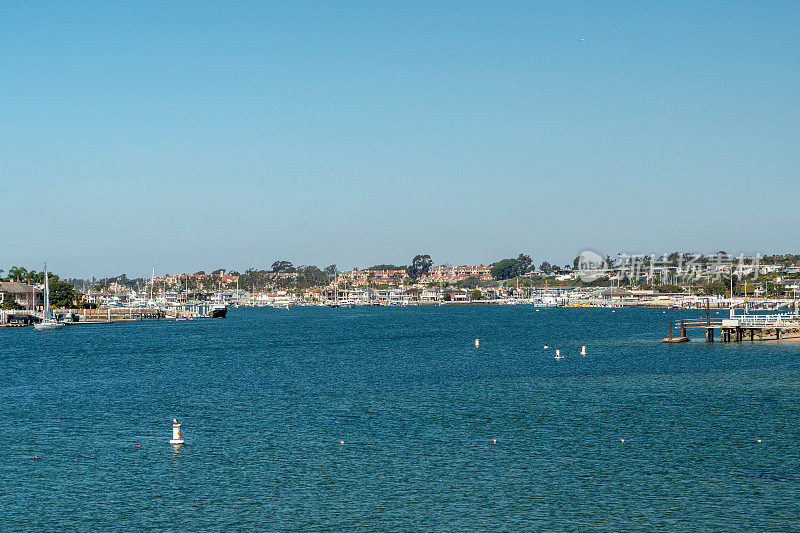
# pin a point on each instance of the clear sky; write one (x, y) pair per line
(230, 134)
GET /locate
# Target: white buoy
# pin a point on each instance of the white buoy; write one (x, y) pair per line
(546, 347)
(176, 432)
(477, 343)
(583, 350)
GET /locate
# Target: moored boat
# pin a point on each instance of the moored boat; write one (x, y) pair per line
(47, 323)
(218, 311)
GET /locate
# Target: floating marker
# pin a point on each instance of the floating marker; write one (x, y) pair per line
(546, 347)
(176, 432)
(494, 441)
(583, 350)
(341, 442)
(758, 441)
(558, 355)
(35, 457)
(622, 440)
(477, 343)
(138, 446)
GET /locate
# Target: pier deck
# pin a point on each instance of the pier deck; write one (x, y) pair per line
(743, 327)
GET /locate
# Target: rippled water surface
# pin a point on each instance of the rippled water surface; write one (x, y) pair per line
(266, 395)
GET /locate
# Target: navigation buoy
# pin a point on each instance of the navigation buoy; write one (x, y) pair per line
(35, 457)
(494, 441)
(758, 441)
(176, 432)
(341, 442)
(622, 440)
(138, 446)
(583, 350)
(558, 355)
(546, 347)
(477, 343)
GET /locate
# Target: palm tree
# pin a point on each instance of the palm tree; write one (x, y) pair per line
(17, 273)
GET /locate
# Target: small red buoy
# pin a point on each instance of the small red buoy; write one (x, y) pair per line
(341, 442)
(758, 441)
(622, 440)
(35, 457)
(138, 446)
(494, 441)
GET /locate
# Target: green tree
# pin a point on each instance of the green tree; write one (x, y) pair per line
(17, 273)
(511, 268)
(524, 263)
(385, 267)
(310, 276)
(469, 282)
(476, 295)
(283, 266)
(420, 265)
(9, 303)
(62, 293)
(668, 288)
(34, 277)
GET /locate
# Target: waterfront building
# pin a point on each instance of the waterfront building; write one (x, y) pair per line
(452, 274)
(27, 296)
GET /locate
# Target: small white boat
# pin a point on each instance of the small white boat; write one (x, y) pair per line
(47, 322)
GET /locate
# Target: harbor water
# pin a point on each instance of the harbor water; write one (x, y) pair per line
(266, 395)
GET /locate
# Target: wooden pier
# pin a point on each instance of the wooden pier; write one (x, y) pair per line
(102, 316)
(743, 327)
(25, 317)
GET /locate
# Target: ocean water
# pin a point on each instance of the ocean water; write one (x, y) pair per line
(265, 396)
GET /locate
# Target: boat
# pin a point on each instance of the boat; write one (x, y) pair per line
(47, 323)
(218, 311)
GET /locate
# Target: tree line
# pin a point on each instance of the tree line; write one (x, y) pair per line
(62, 293)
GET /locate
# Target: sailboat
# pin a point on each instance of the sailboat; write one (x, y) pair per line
(47, 322)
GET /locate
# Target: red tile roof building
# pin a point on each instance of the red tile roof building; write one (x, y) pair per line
(451, 274)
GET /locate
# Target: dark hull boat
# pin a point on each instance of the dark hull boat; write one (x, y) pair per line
(218, 311)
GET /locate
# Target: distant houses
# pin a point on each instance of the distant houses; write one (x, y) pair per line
(437, 274)
(453, 274)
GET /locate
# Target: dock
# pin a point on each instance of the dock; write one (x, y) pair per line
(737, 328)
(747, 327)
(27, 317)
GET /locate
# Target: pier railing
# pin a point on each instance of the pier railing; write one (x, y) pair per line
(786, 320)
(699, 323)
(769, 321)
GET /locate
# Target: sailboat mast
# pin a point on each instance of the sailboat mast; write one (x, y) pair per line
(46, 310)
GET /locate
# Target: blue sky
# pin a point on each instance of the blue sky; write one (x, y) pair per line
(231, 134)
